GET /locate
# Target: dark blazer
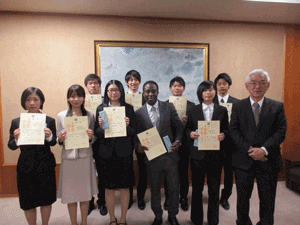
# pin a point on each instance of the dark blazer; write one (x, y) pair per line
(34, 157)
(230, 100)
(123, 146)
(269, 133)
(196, 114)
(169, 123)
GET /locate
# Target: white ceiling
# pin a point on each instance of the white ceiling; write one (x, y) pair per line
(230, 10)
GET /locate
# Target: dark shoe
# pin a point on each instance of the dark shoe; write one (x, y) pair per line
(225, 204)
(184, 204)
(172, 220)
(114, 222)
(166, 205)
(130, 204)
(157, 221)
(91, 206)
(103, 209)
(141, 204)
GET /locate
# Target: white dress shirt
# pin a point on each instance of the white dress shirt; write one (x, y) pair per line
(208, 111)
(225, 98)
(149, 107)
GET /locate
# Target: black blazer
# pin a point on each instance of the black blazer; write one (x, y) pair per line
(34, 157)
(169, 123)
(269, 133)
(196, 114)
(123, 146)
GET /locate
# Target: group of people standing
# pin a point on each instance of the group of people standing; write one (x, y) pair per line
(249, 148)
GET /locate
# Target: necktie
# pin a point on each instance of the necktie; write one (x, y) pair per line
(154, 116)
(256, 112)
(222, 100)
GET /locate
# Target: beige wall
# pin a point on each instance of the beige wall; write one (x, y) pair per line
(53, 52)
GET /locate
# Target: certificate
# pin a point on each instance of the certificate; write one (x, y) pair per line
(179, 103)
(92, 102)
(208, 132)
(76, 132)
(134, 99)
(116, 122)
(228, 107)
(32, 129)
(151, 139)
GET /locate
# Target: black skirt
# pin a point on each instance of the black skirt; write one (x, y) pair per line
(117, 172)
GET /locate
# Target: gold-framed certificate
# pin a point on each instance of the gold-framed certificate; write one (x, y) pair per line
(151, 139)
(134, 99)
(179, 103)
(228, 106)
(208, 132)
(92, 102)
(32, 129)
(116, 122)
(77, 136)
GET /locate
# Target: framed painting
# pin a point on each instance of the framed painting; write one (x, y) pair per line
(157, 61)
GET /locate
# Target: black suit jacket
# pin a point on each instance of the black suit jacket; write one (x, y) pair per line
(169, 123)
(34, 157)
(196, 114)
(123, 146)
(269, 133)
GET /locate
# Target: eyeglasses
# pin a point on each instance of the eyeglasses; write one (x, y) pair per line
(92, 83)
(113, 90)
(255, 83)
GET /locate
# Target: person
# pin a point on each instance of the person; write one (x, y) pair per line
(177, 87)
(164, 116)
(36, 164)
(258, 127)
(93, 85)
(77, 175)
(133, 80)
(223, 83)
(115, 154)
(206, 162)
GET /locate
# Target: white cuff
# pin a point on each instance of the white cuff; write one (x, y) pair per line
(263, 148)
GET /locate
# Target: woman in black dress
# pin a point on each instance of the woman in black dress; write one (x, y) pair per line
(36, 164)
(116, 153)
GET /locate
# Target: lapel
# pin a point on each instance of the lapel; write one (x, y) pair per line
(146, 116)
(264, 112)
(161, 108)
(201, 114)
(216, 112)
(229, 99)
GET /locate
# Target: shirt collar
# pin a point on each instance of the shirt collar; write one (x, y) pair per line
(210, 106)
(110, 105)
(225, 98)
(260, 102)
(149, 107)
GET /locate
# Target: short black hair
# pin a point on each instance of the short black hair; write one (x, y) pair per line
(91, 76)
(79, 90)
(150, 82)
(180, 80)
(132, 73)
(207, 84)
(121, 89)
(224, 76)
(29, 91)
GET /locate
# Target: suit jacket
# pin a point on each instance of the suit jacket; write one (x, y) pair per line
(269, 133)
(34, 157)
(122, 146)
(82, 152)
(169, 123)
(230, 100)
(196, 114)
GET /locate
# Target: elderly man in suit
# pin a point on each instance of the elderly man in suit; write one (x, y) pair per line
(258, 127)
(223, 83)
(164, 116)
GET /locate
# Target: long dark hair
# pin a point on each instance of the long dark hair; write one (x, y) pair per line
(121, 89)
(205, 85)
(75, 88)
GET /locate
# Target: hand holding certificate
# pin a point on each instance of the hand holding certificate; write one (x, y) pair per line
(116, 121)
(208, 135)
(151, 139)
(77, 136)
(32, 129)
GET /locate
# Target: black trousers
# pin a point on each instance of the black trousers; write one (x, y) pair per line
(101, 187)
(143, 176)
(266, 185)
(228, 174)
(212, 170)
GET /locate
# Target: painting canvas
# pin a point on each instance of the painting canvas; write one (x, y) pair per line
(154, 61)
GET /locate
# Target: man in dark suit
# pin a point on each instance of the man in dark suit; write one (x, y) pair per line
(164, 116)
(223, 83)
(177, 87)
(258, 127)
(93, 84)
